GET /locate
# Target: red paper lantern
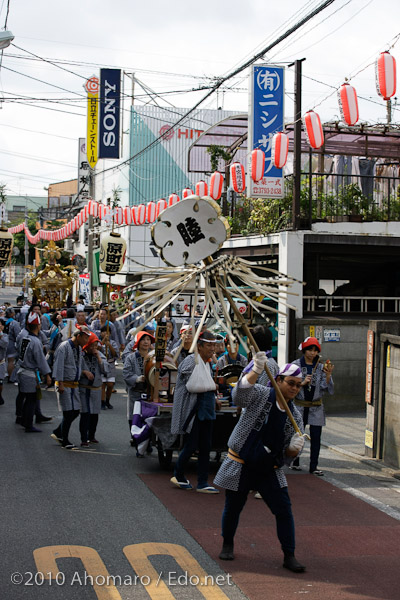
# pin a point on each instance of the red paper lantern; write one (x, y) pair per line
(280, 149)
(161, 205)
(313, 129)
(187, 192)
(257, 164)
(348, 104)
(238, 181)
(201, 189)
(173, 199)
(216, 183)
(151, 212)
(141, 214)
(118, 216)
(128, 215)
(385, 74)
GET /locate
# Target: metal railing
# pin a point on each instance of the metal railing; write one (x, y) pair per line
(351, 304)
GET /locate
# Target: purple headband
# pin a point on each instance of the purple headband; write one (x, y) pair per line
(290, 369)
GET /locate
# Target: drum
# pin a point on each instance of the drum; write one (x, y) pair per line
(168, 373)
(229, 374)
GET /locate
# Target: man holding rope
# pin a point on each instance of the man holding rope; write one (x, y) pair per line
(262, 442)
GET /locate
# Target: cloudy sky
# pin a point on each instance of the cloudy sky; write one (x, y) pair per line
(173, 48)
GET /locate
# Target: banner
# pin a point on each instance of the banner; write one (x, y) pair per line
(266, 114)
(84, 287)
(92, 87)
(83, 172)
(110, 98)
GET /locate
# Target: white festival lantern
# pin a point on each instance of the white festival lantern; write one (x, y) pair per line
(280, 148)
(112, 253)
(257, 164)
(190, 231)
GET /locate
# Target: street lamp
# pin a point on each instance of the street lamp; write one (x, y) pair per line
(6, 37)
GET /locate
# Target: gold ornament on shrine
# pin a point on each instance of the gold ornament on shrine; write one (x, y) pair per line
(112, 253)
(53, 284)
(6, 246)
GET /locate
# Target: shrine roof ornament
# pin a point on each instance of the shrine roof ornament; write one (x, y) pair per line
(190, 231)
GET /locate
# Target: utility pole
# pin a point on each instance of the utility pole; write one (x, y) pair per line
(91, 234)
(297, 144)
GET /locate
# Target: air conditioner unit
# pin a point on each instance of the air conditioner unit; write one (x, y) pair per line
(68, 245)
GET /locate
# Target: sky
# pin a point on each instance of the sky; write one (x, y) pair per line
(173, 48)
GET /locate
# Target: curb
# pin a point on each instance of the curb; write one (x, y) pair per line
(375, 463)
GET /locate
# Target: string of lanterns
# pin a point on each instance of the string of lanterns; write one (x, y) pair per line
(385, 75)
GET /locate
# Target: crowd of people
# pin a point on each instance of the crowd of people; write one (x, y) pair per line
(76, 352)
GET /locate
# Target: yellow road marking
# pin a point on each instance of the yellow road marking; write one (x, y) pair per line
(138, 556)
(46, 563)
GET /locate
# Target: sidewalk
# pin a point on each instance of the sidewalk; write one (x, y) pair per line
(345, 433)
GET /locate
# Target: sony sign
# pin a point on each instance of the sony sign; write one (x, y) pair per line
(110, 94)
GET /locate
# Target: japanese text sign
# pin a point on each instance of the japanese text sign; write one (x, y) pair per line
(266, 118)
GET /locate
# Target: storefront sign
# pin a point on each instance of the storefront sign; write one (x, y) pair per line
(369, 367)
(92, 87)
(331, 335)
(110, 92)
(266, 107)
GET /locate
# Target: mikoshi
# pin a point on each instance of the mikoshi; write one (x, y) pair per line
(187, 234)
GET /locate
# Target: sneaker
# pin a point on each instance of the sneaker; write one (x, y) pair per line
(43, 419)
(257, 495)
(55, 437)
(110, 406)
(103, 406)
(94, 441)
(295, 468)
(317, 472)
(183, 485)
(32, 430)
(85, 444)
(292, 564)
(69, 446)
(207, 489)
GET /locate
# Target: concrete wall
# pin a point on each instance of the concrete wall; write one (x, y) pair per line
(391, 420)
(348, 355)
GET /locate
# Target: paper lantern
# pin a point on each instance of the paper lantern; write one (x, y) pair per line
(151, 212)
(313, 129)
(237, 177)
(161, 205)
(141, 214)
(128, 215)
(201, 189)
(257, 164)
(385, 75)
(187, 192)
(93, 208)
(118, 215)
(348, 104)
(280, 149)
(216, 183)
(112, 253)
(173, 199)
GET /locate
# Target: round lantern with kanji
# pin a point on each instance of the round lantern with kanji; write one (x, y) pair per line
(237, 177)
(112, 253)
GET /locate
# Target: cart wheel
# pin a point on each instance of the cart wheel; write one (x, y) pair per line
(164, 456)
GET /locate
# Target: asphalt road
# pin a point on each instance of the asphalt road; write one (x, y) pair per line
(90, 504)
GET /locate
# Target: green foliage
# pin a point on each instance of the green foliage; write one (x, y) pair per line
(216, 152)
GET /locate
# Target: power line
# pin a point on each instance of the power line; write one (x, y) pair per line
(222, 80)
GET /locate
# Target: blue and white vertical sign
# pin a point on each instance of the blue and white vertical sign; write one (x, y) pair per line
(109, 118)
(266, 118)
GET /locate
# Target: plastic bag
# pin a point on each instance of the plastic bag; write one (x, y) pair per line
(200, 380)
